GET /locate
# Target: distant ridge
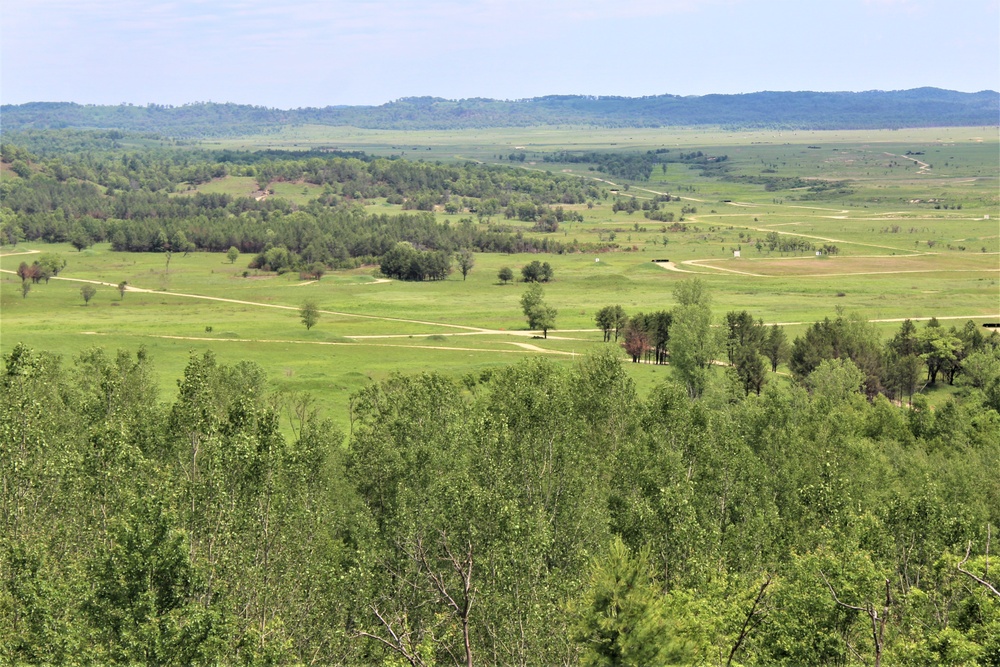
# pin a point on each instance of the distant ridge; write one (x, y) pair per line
(919, 107)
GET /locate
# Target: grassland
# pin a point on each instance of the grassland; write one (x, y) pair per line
(906, 249)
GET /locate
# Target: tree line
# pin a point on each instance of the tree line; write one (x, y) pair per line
(126, 199)
(47, 181)
(919, 107)
(914, 358)
(634, 166)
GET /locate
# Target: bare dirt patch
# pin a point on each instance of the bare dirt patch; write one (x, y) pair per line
(670, 266)
(842, 266)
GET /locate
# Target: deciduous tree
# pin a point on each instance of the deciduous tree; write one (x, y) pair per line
(309, 314)
(539, 314)
(611, 318)
(466, 260)
(692, 344)
(88, 292)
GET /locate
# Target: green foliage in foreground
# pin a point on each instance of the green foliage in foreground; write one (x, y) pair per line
(536, 515)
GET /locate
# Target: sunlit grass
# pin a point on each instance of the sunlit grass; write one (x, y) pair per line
(905, 249)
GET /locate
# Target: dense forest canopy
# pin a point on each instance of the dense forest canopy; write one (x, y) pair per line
(533, 514)
(919, 107)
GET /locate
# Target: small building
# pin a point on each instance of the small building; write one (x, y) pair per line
(736, 253)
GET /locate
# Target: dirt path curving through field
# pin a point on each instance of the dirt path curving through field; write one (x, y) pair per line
(18, 254)
(289, 341)
(924, 167)
(371, 340)
(699, 262)
(466, 330)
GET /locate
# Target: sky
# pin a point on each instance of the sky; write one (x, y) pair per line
(315, 53)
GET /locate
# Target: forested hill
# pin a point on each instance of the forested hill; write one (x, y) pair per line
(920, 107)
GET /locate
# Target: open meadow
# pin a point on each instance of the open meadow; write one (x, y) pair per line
(913, 223)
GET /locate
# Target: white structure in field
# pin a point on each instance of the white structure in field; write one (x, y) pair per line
(736, 253)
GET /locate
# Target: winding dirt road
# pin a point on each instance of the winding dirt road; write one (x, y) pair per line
(370, 340)
(465, 330)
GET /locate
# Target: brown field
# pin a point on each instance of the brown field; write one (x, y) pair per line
(848, 266)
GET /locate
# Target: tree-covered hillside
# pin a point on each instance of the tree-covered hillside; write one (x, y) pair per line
(534, 514)
(131, 199)
(920, 107)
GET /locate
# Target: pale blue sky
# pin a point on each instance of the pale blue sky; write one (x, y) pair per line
(301, 53)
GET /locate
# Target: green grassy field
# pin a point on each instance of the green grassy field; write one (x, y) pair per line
(905, 250)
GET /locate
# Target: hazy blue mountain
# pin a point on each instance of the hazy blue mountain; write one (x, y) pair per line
(919, 107)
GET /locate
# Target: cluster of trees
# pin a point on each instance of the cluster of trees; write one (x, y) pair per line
(787, 243)
(646, 335)
(653, 209)
(912, 359)
(537, 272)
(771, 183)
(45, 267)
(546, 219)
(48, 265)
(405, 262)
(532, 514)
(532, 272)
(422, 185)
(634, 166)
(683, 335)
(630, 166)
(611, 319)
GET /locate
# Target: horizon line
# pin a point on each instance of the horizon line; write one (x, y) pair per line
(436, 98)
